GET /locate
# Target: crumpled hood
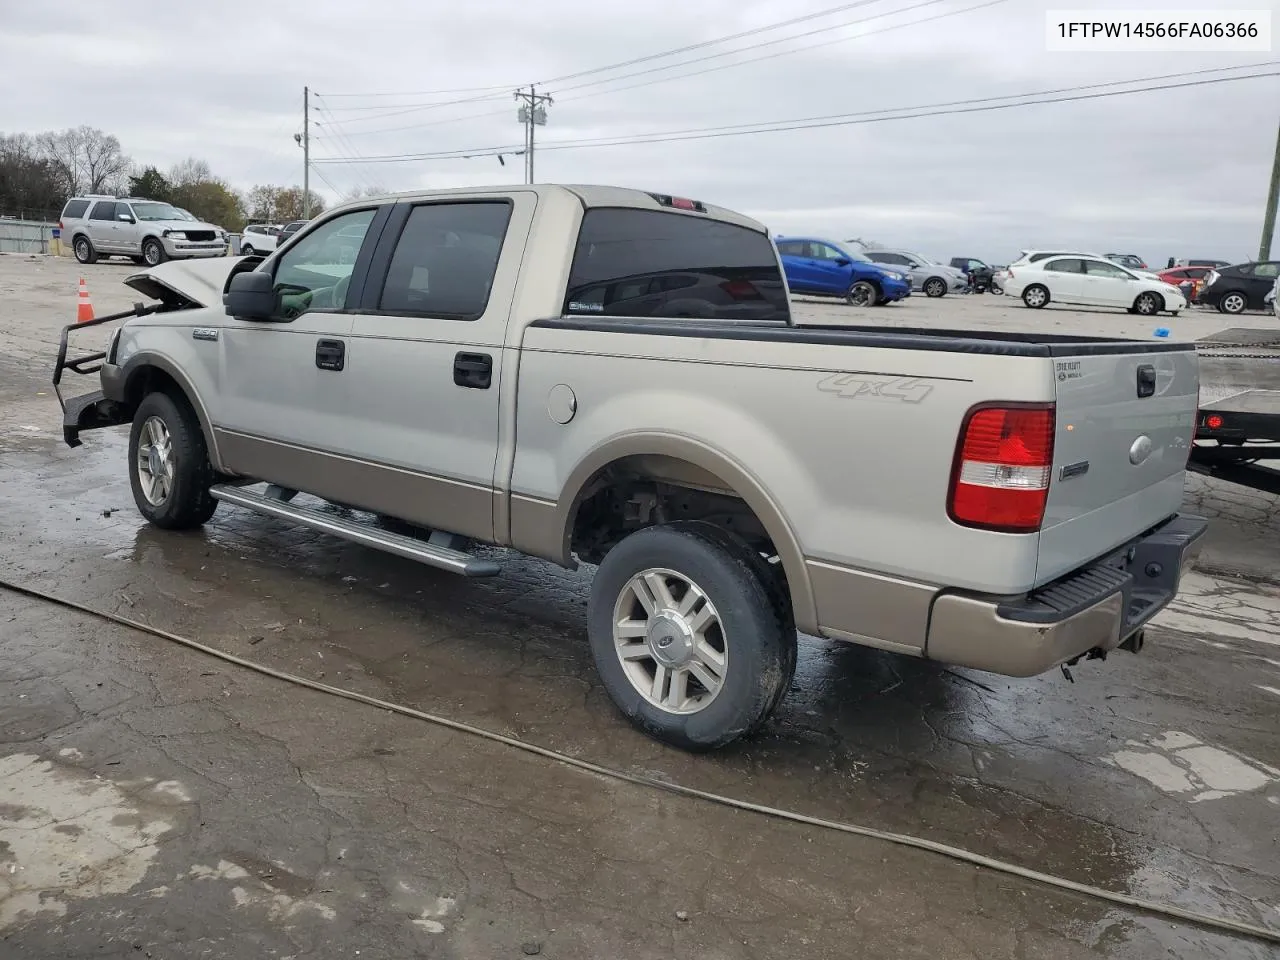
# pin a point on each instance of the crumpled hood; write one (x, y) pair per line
(185, 283)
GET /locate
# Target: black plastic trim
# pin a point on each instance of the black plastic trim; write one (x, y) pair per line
(898, 338)
(1146, 570)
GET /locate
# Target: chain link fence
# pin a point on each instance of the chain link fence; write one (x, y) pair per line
(27, 231)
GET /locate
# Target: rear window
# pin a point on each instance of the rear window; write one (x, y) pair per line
(74, 209)
(647, 263)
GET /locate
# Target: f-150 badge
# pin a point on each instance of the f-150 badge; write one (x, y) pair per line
(861, 386)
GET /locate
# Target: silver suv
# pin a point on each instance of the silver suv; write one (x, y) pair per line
(146, 231)
(935, 279)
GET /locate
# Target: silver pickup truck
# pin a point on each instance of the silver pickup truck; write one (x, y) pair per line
(599, 375)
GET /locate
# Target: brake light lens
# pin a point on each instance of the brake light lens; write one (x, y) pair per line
(741, 290)
(1213, 421)
(1002, 469)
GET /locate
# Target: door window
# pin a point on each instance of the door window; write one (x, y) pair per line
(445, 260)
(1099, 268)
(703, 268)
(103, 210)
(791, 248)
(1267, 270)
(1065, 266)
(314, 273)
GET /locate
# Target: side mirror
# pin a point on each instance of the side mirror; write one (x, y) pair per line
(841, 262)
(125, 217)
(250, 296)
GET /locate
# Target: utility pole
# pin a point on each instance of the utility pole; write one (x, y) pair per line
(1273, 200)
(306, 153)
(532, 113)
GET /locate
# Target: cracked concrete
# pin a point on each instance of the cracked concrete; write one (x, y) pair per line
(297, 825)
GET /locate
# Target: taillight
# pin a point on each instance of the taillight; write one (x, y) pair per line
(1003, 465)
(1214, 421)
(741, 290)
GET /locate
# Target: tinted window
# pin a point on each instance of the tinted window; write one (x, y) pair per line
(103, 210)
(1266, 270)
(1198, 273)
(75, 209)
(445, 260)
(895, 258)
(314, 273)
(1065, 266)
(791, 248)
(703, 268)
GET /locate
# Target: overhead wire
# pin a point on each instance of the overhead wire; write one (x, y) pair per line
(714, 69)
(973, 105)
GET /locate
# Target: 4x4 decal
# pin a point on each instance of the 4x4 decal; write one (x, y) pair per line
(865, 386)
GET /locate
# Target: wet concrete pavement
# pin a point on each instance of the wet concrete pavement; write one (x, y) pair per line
(153, 800)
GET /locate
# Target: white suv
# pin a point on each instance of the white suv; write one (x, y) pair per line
(146, 231)
(259, 238)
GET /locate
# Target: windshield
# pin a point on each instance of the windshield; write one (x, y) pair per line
(158, 211)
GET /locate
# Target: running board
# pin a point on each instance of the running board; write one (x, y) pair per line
(433, 555)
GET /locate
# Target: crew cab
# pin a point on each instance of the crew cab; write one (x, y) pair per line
(510, 366)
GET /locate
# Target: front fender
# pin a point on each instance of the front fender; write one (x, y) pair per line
(122, 383)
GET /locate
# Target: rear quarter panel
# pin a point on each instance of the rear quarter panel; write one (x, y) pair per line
(854, 445)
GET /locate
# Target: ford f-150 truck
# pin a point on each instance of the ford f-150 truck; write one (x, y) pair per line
(614, 377)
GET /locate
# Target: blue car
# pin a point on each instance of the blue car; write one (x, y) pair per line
(825, 269)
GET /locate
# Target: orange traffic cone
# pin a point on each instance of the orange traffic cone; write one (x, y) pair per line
(84, 309)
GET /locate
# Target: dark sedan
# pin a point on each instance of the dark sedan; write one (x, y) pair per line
(1239, 288)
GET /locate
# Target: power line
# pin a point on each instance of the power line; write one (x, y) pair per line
(718, 67)
(402, 109)
(831, 11)
(786, 53)
(979, 105)
(769, 43)
(421, 93)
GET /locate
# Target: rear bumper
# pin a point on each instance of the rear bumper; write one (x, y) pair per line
(1095, 608)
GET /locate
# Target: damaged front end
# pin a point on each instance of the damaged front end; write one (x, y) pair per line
(177, 285)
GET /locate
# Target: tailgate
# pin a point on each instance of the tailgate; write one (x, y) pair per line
(1124, 426)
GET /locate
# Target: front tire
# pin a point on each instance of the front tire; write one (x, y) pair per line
(246, 250)
(84, 251)
(169, 467)
(1148, 304)
(1036, 296)
(153, 252)
(862, 294)
(690, 634)
(935, 287)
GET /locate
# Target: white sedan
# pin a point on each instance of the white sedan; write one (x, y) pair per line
(1091, 281)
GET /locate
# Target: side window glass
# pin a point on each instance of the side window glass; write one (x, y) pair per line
(315, 274)
(75, 209)
(445, 260)
(648, 263)
(1266, 270)
(1065, 266)
(1096, 268)
(103, 210)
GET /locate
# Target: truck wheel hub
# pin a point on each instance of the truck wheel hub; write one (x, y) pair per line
(670, 639)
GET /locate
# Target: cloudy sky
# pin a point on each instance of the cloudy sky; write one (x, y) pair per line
(1169, 173)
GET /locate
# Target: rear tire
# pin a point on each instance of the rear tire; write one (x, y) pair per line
(1233, 303)
(246, 250)
(1036, 296)
(169, 467)
(83, 249)
(935, 287)
(710, 607)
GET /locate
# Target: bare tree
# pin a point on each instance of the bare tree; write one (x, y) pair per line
(360, 193)
(263, 201)
(189, 172)
(86, 159)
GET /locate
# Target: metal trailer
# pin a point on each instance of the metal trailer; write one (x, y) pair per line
(1238, 440)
